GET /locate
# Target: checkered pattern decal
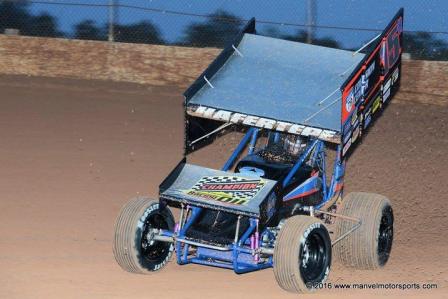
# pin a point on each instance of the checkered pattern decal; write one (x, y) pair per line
(229, 189)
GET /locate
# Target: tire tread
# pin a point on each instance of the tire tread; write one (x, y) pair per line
(286, 268)
(124, 243)
(359, 249)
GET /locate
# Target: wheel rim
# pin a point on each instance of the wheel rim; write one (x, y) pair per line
(386, 234)
(154, 251)
(313, 260)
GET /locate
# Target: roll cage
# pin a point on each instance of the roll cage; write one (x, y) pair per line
(314, 152)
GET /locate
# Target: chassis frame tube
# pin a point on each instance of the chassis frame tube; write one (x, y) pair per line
(299, 162)
(358, 223)
(235, 250)
(239, 149)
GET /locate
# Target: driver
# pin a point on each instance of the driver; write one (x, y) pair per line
(294, 144)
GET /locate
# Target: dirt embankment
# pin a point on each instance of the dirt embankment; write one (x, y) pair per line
(426, 79)
(162, 65)
(79, 59)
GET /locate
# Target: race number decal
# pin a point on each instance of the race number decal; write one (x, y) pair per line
(392, 46)
(229, 189)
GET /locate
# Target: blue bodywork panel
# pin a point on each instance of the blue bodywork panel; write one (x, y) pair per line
(310, 186)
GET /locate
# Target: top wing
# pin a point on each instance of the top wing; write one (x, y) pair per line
(272, 81)
(297, 88)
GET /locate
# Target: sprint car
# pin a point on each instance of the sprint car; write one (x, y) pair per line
(276, 202)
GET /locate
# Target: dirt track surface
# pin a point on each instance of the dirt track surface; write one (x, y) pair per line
(73, 152)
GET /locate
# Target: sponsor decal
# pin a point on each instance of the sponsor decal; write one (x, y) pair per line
(376, 104)
(355, 124)
(347, 127)
(386, 95)
(387, 85)
(354, 94)
(150, 209)
(358, 90)
(346, 147)
(354, 118)
(347, 131)
(370, 69)
(367, 118)
(366, 78)
(228, 189)
(309, 131)
(395, 75)
(355, 134)
(347, 137)
(260, 122)
(350, 102)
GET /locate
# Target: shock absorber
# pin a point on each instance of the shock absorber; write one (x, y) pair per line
(255, 243)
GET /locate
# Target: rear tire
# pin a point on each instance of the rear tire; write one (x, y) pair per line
(133, 249)
(302, 254)
(370, 245)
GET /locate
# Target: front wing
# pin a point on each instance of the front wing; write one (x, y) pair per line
(220, 190)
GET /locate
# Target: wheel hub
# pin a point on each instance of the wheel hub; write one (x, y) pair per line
(152, 249)
(150, 237)
(385, 236)
(306, 255)
(313, 257)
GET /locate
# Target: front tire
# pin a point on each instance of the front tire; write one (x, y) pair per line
(370, 245)
(302, 254)
(133, 247)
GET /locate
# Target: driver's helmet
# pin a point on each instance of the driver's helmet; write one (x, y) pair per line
(293, 144)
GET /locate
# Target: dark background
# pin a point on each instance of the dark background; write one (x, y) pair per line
(346, 24)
